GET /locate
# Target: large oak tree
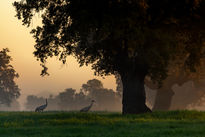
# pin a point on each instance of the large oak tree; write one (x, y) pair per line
(135, 38)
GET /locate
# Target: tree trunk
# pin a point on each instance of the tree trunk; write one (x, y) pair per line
(134, 98)
(163, 99)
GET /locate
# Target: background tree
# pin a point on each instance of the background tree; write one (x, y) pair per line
(106, 99)
(178, 76)
(136, 38)
(91, 85)
(9, 91)
(71, 100)
(81, 100)
(164, 94)
(66, 99)
(33, 101)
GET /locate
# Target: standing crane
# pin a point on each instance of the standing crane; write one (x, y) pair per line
(86, 109)
(42, 107)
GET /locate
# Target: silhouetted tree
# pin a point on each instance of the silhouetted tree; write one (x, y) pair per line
(66, 99)
(91, 85)
(33, 101)
(71, 100)
(191, 93)
(135, 38)
(177, 75)
(106, 99)
(53, 103)
(9, 90)
(81, 100)
(165, 93)
(14, 106)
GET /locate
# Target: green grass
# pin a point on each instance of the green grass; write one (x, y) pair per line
(102, 124)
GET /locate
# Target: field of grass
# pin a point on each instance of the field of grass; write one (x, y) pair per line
(102, 124)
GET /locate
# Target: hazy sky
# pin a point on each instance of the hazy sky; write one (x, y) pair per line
(20, 42)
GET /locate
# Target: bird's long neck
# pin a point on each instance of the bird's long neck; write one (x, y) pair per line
(46, 102)
(91, 104)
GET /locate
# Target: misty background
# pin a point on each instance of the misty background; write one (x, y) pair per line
(186, 96)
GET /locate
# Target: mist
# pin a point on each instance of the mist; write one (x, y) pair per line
(186, 96)
(73, 100)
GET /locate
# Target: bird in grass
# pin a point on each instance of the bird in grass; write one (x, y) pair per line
(42, 107)
(86, 109)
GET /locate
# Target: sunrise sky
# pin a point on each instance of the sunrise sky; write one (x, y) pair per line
(18, 39)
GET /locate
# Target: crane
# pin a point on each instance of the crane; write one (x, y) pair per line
(86, 109)
(42, 107)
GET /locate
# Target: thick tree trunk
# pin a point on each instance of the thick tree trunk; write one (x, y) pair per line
(134, 98)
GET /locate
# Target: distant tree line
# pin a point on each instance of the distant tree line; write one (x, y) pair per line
(178, 92)
(71, 100)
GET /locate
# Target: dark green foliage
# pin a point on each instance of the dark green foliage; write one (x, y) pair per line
(72, 124)
(9, 91)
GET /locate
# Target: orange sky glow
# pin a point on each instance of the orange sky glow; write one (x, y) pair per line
(18, 39)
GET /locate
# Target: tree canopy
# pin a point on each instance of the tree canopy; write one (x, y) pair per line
(9, 91)
(106, 32)
(135, 38)
(106, 99)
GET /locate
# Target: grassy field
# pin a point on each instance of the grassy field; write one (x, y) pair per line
(101, 124)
